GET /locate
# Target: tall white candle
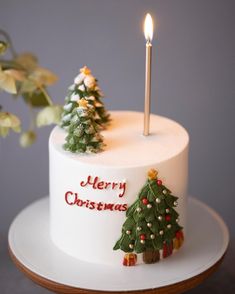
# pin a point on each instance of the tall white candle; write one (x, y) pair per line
(148, 32)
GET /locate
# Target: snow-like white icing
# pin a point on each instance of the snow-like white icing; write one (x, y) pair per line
(90, 234)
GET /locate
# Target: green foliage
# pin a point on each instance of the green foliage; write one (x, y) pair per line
(9, 121)
(150, 219)
(92, 95)
(36, 98)
(22, 77)
(83, 132)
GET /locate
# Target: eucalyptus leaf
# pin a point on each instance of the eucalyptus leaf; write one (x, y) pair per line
(9, 120)
(7, 82)
(36, 98)
(27, 60)
(43, 76)
(28, 86)
(4, 131)
(49, 115)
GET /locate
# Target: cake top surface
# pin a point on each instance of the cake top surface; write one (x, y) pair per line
(125, 144)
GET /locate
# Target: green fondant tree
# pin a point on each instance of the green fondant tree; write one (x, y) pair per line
(83, 132)
(152, 222)
(85, 86)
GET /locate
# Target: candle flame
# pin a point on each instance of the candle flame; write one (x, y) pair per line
(148, 27)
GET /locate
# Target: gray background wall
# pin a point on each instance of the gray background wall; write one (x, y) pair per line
(193, 83)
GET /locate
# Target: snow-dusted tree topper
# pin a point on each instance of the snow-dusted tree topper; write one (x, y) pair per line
(85, 86)
(89, 81)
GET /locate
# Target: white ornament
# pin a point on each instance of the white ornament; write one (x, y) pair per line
(158, 200)
(175, 203)
(177, 220)
(149, 225)
(161, 232)
(138, 209)
(169, 226)
(81, 88)
(159, 217)
(131, 246)
(79, 78)
(74, 97)
(149, 205)
(128, 232)
(167, 210)
(139, 228)
(152, 236)
(142, 241)
(164, 192)
(89, 81)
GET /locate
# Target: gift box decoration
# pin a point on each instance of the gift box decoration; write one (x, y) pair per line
(167, 249)
(130, 259)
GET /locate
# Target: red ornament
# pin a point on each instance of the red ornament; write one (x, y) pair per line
(167, 217)
(159, 182)
(145, 201)
(179, 235)
(142, 237)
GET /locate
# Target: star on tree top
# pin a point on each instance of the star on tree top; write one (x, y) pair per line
(85, 70)
(82, 103)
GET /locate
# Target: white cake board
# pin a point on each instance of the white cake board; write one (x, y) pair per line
(30, 246)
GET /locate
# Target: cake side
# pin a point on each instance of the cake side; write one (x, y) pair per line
(89, 195)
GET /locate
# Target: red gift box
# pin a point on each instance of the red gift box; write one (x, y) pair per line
(167, 249)
(130, 259)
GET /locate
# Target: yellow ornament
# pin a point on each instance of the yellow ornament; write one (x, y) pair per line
(82, 102)
(152, 174)
(85, 70)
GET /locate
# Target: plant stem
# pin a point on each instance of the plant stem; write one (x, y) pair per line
(32, 119)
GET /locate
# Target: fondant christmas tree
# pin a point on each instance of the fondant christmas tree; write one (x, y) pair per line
(85, 86)
(83, 131)
(152, 222)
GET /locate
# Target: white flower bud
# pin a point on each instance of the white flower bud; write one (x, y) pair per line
(27, 139)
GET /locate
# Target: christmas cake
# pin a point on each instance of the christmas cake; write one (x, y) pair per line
(116, 196)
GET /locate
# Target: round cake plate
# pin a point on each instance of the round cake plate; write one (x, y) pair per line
(34, 253)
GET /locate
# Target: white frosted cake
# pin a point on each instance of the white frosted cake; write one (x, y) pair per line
(90, 194)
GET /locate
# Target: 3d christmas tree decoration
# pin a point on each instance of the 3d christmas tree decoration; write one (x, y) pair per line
(83, 131)
(85, 86)
(151, 226)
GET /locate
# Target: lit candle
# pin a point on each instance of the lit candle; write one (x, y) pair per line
(148, 32)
